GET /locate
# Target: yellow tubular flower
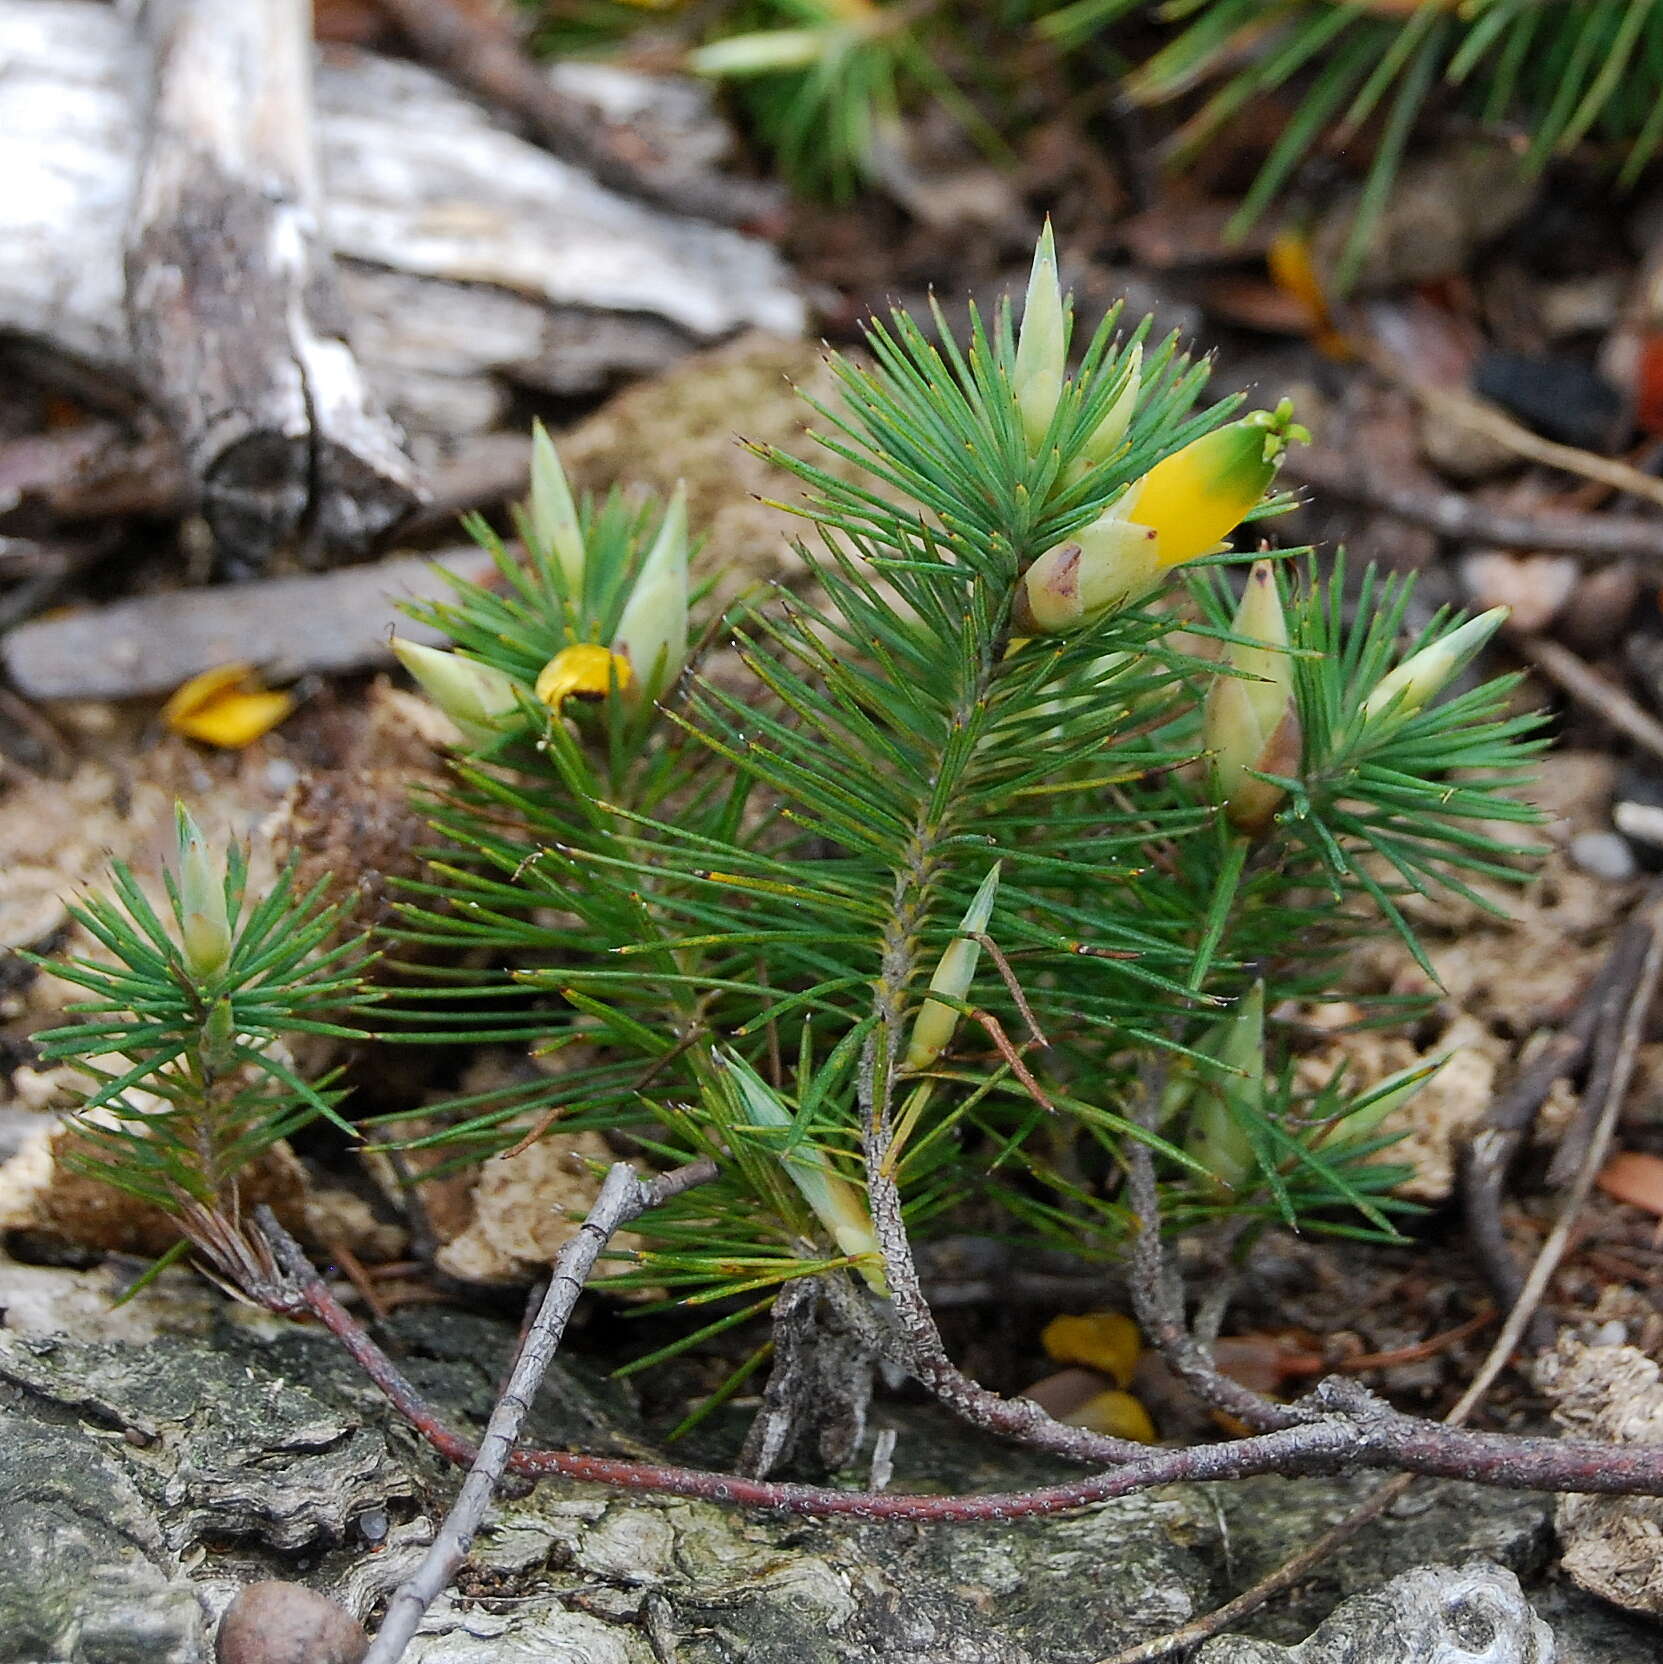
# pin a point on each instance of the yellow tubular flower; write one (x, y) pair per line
(1180, 509)
(1116, 1413)
(582, 671)
(1105, 1341)
(1254, 724)
(1197, 495)
(227, 707)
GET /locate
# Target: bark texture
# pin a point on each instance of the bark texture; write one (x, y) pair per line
(238, 327)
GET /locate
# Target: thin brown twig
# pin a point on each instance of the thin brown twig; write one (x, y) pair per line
(1489, 1157)
(1496, 424)
(1345, 1426)
(624, 1196)
(1012, 986)
(1585, 685)
(1451, 514)
(1013, 1059)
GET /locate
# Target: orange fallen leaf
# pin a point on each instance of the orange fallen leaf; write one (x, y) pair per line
(1631, 1176)
(227, 707)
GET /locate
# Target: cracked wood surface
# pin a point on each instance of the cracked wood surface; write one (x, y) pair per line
(237, 323)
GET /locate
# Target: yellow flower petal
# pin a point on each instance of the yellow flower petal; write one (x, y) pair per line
(1105, 1341)
(582, 671)
(227, 707)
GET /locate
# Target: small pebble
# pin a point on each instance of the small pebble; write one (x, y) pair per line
(1604, 855)
(287, 1623)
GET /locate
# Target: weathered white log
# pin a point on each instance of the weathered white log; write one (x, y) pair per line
(321, 624)
(236, 320)
(471, 261)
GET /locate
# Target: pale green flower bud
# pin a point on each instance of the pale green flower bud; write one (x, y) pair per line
(205, 925)
(554, 521)
(1041, 345)
(836, 1203)
(1229, 1098)
(652, 634)
(481, 700)
(1254, 724)
(762, 52)
(932, 1028)
(1377, 1103)
(1425, 674)
(1105, 439)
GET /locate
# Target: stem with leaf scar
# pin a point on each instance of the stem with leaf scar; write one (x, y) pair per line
(926, 1354)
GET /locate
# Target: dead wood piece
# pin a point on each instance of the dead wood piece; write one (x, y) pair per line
(334, 622)
(95, 470)
(488, 61)
(237, 324)
(472, 261)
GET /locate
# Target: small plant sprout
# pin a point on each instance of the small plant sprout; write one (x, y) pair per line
(1251, 723)
(748, 914)
(183, 1038)
(1425, 674)
(579, 638)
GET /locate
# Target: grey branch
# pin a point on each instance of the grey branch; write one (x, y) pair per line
(623, 1197)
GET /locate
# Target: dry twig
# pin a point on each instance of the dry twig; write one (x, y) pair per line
(1452, 514)
(1585, 685)
(623, 1197)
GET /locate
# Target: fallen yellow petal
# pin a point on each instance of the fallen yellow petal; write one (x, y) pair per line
(227, 707)
(582, 671)
(1106, 1341)
(1116, 1413)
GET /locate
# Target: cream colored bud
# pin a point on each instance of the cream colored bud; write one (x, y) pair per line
(932, 1028)
(1423, 675)
(1106, 437)
(762, 52)
(652, 634)
(1380, 1100)
(1041, 345)
(836, 1203)
(1102, 566)
(1251, 724)
(204, 922)
(554, 521)
(481, 700)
